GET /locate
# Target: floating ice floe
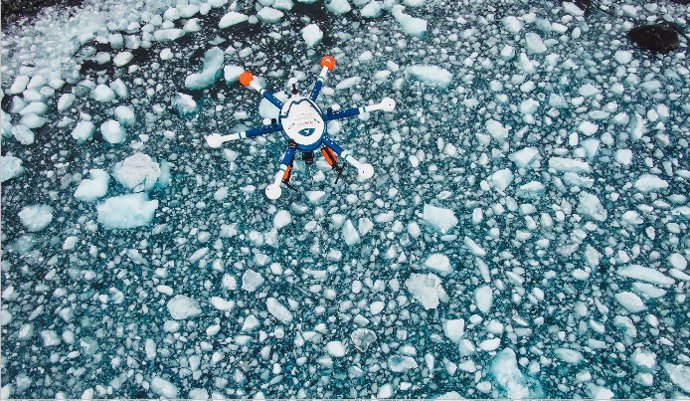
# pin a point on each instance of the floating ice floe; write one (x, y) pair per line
(126, 211)
(278, 310)
(90, 189)
(138, 172)
(36, 217)
(427, 289)
(438, 263)
(312, 35)
(430, 74)
(439, 218)
(10, 167)
(183, 307)
(214, 59)
(232, 18)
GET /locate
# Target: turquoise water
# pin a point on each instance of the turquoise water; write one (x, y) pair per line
(524, 234)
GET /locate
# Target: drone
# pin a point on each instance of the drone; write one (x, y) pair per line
(303, 125)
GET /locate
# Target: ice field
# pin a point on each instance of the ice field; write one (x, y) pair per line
(525, 234)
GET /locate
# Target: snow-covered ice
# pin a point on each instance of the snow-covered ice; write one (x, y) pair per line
(138, 172)
(126, 211)
(427, 289)
(94, 187)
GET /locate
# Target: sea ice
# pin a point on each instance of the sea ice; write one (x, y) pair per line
(138, 172)
(589, 205)
(439, 263)
(278, 310)
(650, 183)
(36, 217)
(210, 73)
(363, 338)
(679, 374)
(630, 301)
(183, 307)
(339, 7)
(10, 167)
(113, 132)
(336, 349)
(484, 298)
(412, 26)
(232, 18)
(90, 189)
(312, 34)
(508, 376)
(439, 218)
(126, 211)
(430, 74)
(427, 289)
(163, 387)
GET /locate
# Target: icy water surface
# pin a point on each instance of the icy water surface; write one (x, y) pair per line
(525, 234)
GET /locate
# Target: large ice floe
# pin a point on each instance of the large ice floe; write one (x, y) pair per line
(525, 234)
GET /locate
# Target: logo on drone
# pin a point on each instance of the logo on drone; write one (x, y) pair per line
(307, 131)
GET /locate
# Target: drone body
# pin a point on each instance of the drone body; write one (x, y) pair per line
(304, 126)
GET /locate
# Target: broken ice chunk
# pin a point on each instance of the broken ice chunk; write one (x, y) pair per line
(564, 164)
(10, 167)
(232, 73)
(474, 248)
(338, 7)
(454, 329)
(350, 233)
(532, 189)
(412, 26)
(373, 9)
(113, 132)
(251, 280)
(335, 349)
(23, 135)
(523, 157)
(590, 206)
(441, 219)
(679, 374)
(83, 131)
(103, 93)
(36, 217)
(138, 172)
(497, 131)
(210, 73)
(270, 15)
(650, 183)
(439, 263)
(183, 307)
(427, 289)
(508, 376)
(126, 211)
(630, 301)
(184, 105)
(278, 310)
(534, 43)
(568, 355)
(484, 298)
(312, 34)
(163, 387)
(431, 75)
(501, 179)
(638, 272)
(401, 363)
(363, 338)
(232, 18)
(90, 189)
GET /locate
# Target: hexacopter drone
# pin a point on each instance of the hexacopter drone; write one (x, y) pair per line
(304, 126)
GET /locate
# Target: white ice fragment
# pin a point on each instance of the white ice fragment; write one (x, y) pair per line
(183, 307)
(623, 56)
(270, 15)
(113, 132)
(497, 131)
(36, 217)
(439, 263)
(589, 205)
(281, 219)
(642, 273)
(401, 363)
(501, 179)
(251, 280)
(126, 211)
(103, 93)
(644, 359)
(431, 75)
(232, 73)
(10, 167)
(412, 26)
(124, 115)
(630, 301)
(512, 24)
(232, 18)
(163, 387)
(650, 183)
(18, 85)
(348, 83)
(184, 104)
(568, 355)
(23, 134)
(168, 35)
(312, 34)
(221, 304)
(138, 172)
(65, 101)
(534, 43)
(679, 374)
(350, 234)
(484, 298)
(454, 329)
(678, 261)
(278, 310)
(211, 70)
(523, 157)
(564, 164)
(122, 58)
(335, 349)
(532, 189)
(441, 219)
(474, 248)
(588, 128)
(362, 338)
(90, 189)
(572, 9)
(373, 9)
(508, 376)
(338, 7)
(427, 289)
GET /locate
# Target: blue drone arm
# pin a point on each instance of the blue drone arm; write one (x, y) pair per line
(216, 140)
(387, 104)
(247, 79)
(327, 64)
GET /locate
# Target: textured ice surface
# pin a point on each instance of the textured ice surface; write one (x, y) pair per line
(525, 234)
